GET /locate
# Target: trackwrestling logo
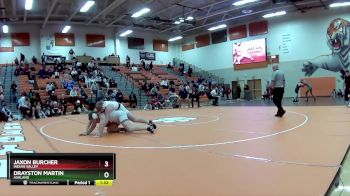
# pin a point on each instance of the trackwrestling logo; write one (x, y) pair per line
(174, 119)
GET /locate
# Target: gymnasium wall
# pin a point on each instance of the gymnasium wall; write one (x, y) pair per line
(48, 46)
(32, 50)
(161, 57)
(307, 35)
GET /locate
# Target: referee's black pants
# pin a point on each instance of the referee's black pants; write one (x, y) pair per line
(277, 99)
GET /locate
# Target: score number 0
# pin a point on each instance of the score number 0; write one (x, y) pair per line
(106, 174)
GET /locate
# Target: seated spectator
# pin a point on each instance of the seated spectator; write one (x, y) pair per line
(112, 83)
(120, 96)
(57, 74)
(215, 95)
(35, 60)
(160, 98)
(201, 89)
(154, 91)
(31, 77)
(164, 84)
(50, 87)
(53, 96)
(42, 74)
(64, 104)
(169, 66)
(39, 111)
(74, 94)
(78, 108)
(23, 106)
(74, 74)
(173, 100)
(156, 104)
(184, 97)
(6, 114)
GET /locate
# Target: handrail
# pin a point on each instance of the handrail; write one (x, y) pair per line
(198, 71)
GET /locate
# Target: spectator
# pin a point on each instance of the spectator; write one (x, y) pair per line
(132, 100)
(64, 104)
(127, 61)
(23, 106)
(39, 111)
(6, 114)
(16, 61)
(112, 83)
(190, 70)
(154, 91)
(201, 89)
(42, 73)
(42, 59)
(143, 64)
(151, 66)
(35, 60)
(164, 84)
(238, 92)
(50, 87)
(120, 96)
(161, 99)
(71, 54)
(13, 91)
(169, 66)
(184, 97)
(227, 92)
(182, 69)
(1, 93)
(215, 95)
(22, 58)
(74, 94)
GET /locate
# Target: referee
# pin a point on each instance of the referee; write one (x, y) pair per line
(277, 86)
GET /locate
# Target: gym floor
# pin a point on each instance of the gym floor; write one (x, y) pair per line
(207, 151)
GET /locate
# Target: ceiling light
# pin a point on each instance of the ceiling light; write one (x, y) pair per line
(5, 28)
(177, 22)
(242, 2)
(65, 29)
(189, 18)
(247, 11)
(87, 6)
(29, 4)
(140, 13)
(175, 38)
(182, 20)
(125, 33)
(274, 14)
(340, 4)
(217, 27)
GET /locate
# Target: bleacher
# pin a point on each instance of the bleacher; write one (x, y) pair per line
(157, 75)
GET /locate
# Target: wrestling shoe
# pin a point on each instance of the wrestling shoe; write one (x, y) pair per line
(152, 124)
(150, 129)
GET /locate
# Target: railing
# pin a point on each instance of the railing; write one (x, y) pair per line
(197, 71)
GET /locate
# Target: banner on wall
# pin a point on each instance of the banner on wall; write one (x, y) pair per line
(252, 51)
(148, 56)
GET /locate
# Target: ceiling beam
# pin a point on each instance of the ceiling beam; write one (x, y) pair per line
(25, 17)
(74, 13)
(106, 10)
(203, 7)
(3, 10)
(14, 6)
(275, 8)
(123, 15)
(49, 13)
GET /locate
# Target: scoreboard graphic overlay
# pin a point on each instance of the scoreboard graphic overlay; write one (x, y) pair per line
(61, 169)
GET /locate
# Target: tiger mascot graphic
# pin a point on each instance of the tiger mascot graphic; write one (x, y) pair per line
(338, 38)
